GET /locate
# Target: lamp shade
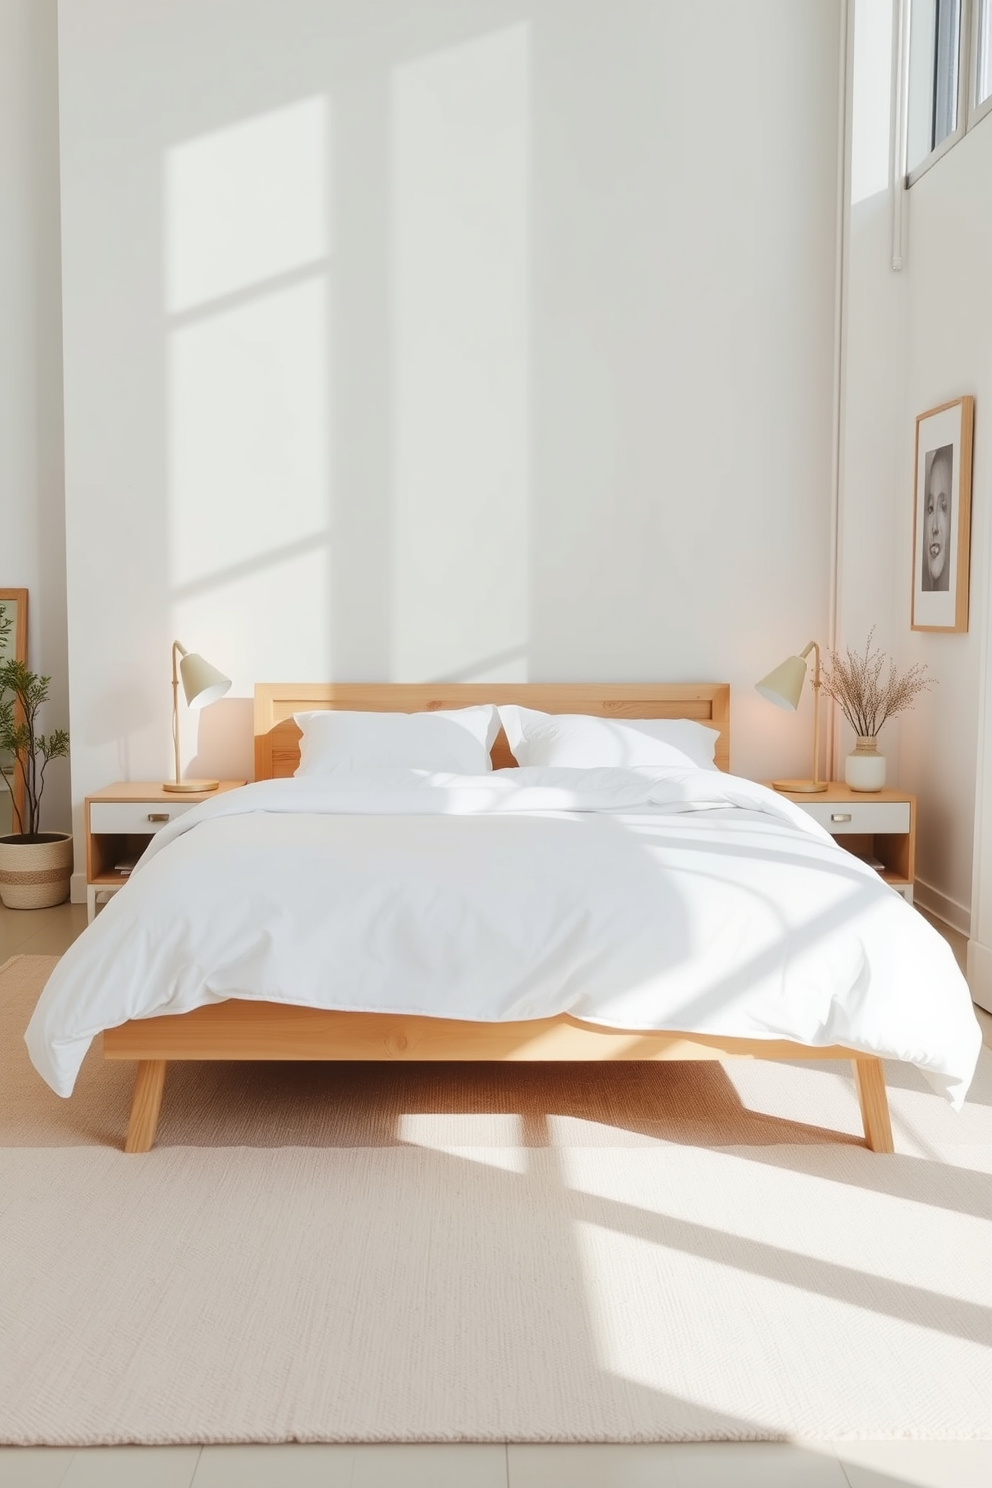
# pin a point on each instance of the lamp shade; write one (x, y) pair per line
(784, 685)
(202, 683)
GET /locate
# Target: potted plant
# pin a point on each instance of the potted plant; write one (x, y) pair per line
(35, 866)
(867, 700)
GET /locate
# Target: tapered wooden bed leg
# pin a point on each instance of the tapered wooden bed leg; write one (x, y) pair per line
(148, 1085)
(869, 1080)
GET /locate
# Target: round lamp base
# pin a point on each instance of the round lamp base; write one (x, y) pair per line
(190, 785)
(800, 787)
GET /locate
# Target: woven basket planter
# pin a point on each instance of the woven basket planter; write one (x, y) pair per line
(35, 875)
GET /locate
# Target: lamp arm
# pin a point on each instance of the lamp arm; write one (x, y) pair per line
(180, 650)
(816, 709)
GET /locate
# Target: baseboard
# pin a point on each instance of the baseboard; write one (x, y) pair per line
(77, 888)
(980, 973)
(949, 910)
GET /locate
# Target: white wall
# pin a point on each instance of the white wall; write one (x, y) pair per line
(914, 339)
(949, 353)
(472, 338)
(870, 591)
(32, 521)
(950, 349)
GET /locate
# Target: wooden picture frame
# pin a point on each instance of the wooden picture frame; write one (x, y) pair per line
(13, 647)
(942, 516)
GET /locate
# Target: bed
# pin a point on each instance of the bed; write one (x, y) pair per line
(253, 1027)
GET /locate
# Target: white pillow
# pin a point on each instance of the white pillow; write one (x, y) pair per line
(581, 741)
(456, 740)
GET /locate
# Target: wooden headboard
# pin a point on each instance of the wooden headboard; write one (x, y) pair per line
(277, 738)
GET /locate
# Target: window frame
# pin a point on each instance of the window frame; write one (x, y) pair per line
(965, 50)
(978, 110)
(968, 111)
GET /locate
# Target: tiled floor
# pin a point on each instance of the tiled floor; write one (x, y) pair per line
(878, 1464)
(866, 1464)
(39, 932)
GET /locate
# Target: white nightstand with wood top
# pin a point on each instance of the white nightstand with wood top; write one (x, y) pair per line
(121, 820)
(876, 825)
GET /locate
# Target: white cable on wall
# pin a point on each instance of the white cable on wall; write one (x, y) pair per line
(900, 127)
(845, 64)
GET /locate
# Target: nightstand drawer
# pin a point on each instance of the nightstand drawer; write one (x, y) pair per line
(859, 816)
(129, 817)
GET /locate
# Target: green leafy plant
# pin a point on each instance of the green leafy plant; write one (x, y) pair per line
(22, 694)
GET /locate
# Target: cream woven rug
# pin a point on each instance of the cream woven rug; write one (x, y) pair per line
(488, 1253)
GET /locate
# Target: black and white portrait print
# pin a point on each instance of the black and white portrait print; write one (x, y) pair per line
(935, 555)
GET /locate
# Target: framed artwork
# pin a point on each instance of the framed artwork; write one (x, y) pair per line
(942, 516)
(13, 647)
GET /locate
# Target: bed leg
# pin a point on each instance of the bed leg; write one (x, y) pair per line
(148, 1085)
(869, 1080)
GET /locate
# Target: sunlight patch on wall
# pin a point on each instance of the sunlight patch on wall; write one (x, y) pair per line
(245, 204)
(248, 403)
(461, 347)
(872, 104)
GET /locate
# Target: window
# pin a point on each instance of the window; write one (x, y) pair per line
(947, 75)
(983, 54)
(934, 76)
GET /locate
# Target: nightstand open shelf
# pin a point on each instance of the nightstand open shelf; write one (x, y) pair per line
(121, 820)
(870, 824)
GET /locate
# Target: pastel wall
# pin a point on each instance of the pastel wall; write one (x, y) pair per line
(459, 338)
(32, 522)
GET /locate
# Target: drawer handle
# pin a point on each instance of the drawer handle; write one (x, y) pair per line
(840, 816)
(158, 816)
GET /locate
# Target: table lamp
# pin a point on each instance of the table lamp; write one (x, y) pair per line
(202, 684)
(783, 687)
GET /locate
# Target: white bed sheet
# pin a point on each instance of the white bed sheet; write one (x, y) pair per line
(680, 899)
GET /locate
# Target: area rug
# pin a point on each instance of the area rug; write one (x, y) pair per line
(488, 1253)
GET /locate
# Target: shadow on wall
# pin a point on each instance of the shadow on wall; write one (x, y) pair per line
(427, 358)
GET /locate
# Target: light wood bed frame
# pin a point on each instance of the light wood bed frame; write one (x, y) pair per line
(260, 1030)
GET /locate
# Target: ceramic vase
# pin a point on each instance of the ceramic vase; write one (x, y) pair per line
(864, 770)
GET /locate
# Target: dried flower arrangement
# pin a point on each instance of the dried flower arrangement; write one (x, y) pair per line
(865, 698)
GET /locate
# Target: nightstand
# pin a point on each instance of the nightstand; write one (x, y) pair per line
(879, 825)
(121, 820)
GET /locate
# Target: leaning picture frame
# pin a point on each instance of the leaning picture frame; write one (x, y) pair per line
(13, 647)
(942, 516)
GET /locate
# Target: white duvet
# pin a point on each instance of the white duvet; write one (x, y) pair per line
(686, 900)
